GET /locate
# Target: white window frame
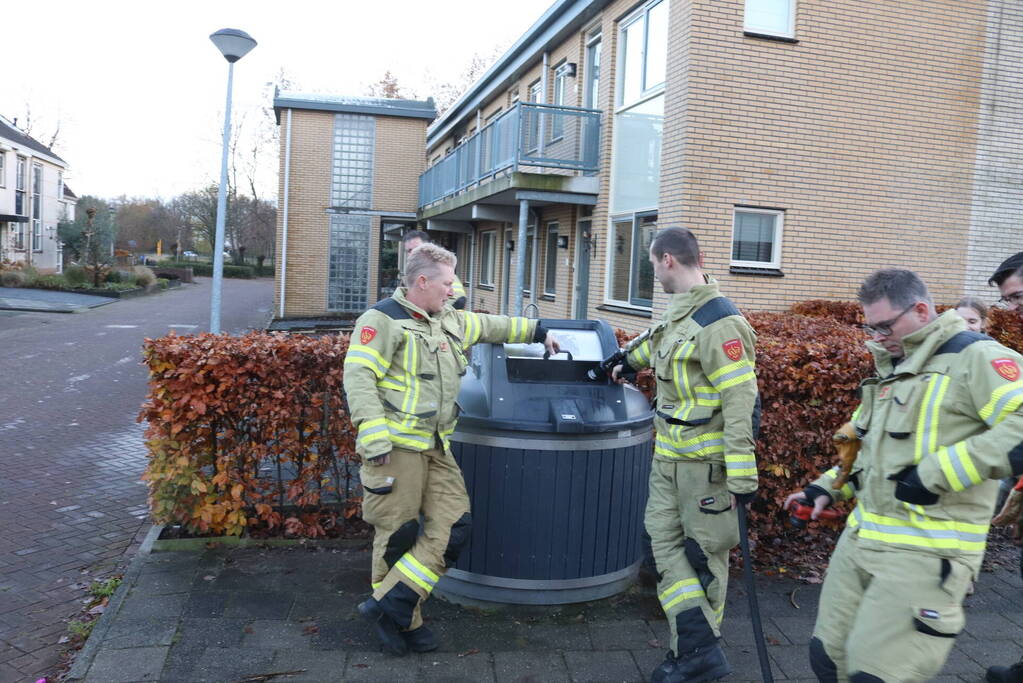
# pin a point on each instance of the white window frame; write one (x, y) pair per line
(37, 235)
(3, 168)
(60, 186)
(591, 75)
(487, 269)
(779, 228)
(789, 32)
(635, 218)
(646, 91)
(550, 264)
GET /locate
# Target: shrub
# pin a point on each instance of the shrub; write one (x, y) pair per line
(220, 408)
(75, 276)
(51, 282)
(848, 312)
(13, 278)
(1006, 327)
(162, 282)
(144, 276)
(122, 277)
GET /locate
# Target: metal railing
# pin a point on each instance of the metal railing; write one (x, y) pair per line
(528, 136)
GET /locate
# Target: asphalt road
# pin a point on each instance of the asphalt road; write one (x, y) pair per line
(71, 454)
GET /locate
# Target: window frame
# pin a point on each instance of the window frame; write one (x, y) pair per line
(645, 91)
(779, 228)
(790, 31)
(487, 268)
(635, 219)
(3, 168)
(591, 87)
(550, 255)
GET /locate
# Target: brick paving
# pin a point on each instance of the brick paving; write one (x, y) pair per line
(71, 454)
(234, 614)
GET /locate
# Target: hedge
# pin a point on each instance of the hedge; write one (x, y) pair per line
(206, 269)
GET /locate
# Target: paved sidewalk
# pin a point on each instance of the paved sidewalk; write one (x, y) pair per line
(49, 301)
(254, 614)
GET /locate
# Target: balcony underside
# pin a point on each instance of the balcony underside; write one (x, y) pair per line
(498, 199)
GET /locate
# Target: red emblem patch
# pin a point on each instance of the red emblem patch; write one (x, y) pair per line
(1007, 368)
(733, 349)
(885, 390)
(443, 346)
(367, 334)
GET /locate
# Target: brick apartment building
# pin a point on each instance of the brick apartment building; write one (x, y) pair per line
(805, 142)
(349, 167)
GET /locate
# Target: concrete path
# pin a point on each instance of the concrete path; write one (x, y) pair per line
(289, 614)
(49, 301)
(71, 454)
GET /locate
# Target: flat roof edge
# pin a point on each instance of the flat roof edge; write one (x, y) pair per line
(401, 112)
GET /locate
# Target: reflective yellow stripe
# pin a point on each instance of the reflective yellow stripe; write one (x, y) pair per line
(957, 466)
(725, 369)
(473, 329)
(411, 376)
(407, 429)
(458, 288)
(719, 614)
(856, 413)
(1005, 399)
(927, 422)
(370, 351)
(740, 465)
(356, 360)
(920, 533)
(746, 376)
(375, 585)
(707, 396)
(680, 368)
(391, 383)
(417, 572)
(706, 444)
(686, 589)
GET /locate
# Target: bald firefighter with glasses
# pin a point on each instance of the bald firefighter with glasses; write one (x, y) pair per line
(704, 463)
(939, 423)
(402, 374)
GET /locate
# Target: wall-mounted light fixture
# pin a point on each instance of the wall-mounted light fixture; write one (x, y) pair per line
(562, 241)
(570, 69)
(509, 245)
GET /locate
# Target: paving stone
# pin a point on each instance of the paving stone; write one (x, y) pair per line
(163, 583)
(792, 661)
(231, 664)
(142, 606)
(530, 667)
(346, 635)
(206, 604)
(321, 667)
(633, 634)
(223, 633)
(456, 668)
(277, 635)
(125, 633)
(376, 667)
(797, 630)
(987, 625)
(251, 605)
(323, 607)
(126, 666)
(595, 667)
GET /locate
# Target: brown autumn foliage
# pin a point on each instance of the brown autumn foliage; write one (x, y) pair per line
(249, 432)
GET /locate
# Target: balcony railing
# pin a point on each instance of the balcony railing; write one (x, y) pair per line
(528, 137)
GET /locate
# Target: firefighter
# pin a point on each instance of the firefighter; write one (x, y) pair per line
(939, 423)
(402, 374)
(704, 464)
(414, 238)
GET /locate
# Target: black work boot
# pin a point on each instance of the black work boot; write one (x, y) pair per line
(421, 639)
(1006, 674)
(696, 666)
(387, 631)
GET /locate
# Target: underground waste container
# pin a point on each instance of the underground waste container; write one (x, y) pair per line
(556, 465)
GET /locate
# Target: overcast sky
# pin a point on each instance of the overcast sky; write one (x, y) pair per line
(139, 89)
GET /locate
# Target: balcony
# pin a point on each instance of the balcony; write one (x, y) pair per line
(528, 138)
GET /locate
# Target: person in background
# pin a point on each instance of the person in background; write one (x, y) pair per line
(974, 312)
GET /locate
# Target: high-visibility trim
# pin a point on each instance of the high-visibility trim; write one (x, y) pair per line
(376, 584)
(411, 376)
(473, 330)
(847, 489)
(1004, 400)
(680, 378)
(642, 352)
(719, 614)
(957, 466)
(458, 288)
(518, 330)
(416, 572)
(402, 427)
(741, 465)
(732, 374)
(373, 430)
(925, 534)
(686, 589)
(405, 435)
(707, 396)
(927, 422)
(364, 355)
(391, 383)
(711, 443)
(856, 413)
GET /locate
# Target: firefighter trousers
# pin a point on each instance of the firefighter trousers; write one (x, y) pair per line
(692, 526)
(419, 509)
(889, 615)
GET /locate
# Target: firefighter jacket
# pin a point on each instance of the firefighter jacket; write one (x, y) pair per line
(952, 407)
(702, 355)
(404, 367)
(457, 298)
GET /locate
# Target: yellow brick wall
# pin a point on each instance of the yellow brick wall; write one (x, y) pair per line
(308, 225)
(399, 160)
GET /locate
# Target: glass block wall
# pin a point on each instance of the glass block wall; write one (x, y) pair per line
(354, 140)
(348, 275)
(351, 188)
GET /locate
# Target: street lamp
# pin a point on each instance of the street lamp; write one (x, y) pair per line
(234, 45)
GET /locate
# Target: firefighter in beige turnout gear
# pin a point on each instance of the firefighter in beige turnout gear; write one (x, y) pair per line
(704, 463)
(402, 374)
(941, 420)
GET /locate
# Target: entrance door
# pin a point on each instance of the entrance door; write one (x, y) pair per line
(584, 245)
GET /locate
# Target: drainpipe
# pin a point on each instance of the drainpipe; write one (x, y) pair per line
(284, 235)
(472, 270)
(543, 100)
(520, 250)
(534, 295)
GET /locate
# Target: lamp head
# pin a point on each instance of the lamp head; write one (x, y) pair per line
(233, 43)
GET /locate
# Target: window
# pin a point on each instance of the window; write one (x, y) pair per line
(636, 152)
(352, 172)
(756, 237)
(527, 278)
(550, 263)
(631, 274)
(3, 169)
(19, 236)
(37, 207)
(487, 258)
(348, 262)
(592, 70)
(643, 40)
(536, 91)
(60, 186)
(559, 99)
(20, 207)
(771, 17)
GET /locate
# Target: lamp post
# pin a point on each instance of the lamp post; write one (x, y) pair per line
(234, 45)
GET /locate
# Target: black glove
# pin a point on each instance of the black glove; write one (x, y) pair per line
(909, 488)
(813, 492)
(744, 498)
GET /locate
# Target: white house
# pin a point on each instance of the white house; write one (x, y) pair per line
(33, 200)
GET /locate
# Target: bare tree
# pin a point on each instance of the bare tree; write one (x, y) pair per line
(388, 87)
(446, 92)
